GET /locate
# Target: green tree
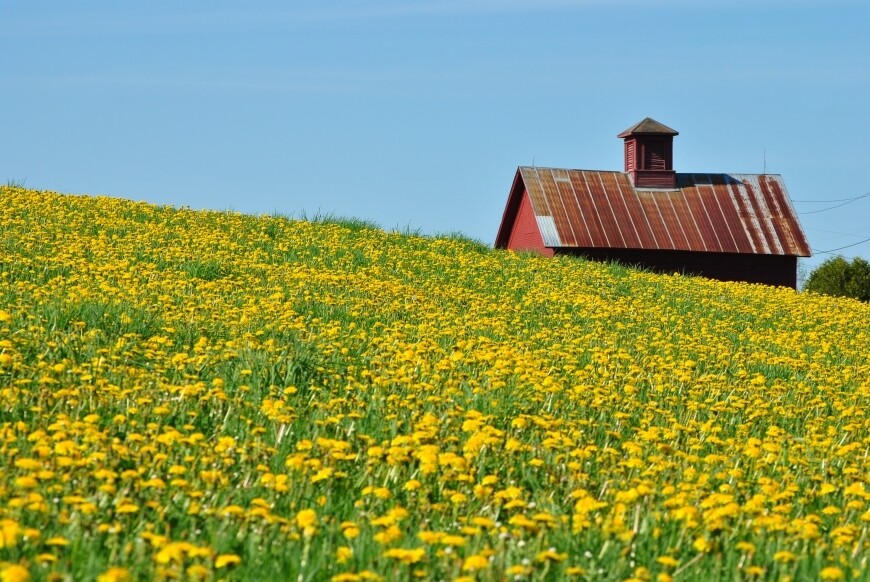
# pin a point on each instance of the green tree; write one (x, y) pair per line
(841, 278)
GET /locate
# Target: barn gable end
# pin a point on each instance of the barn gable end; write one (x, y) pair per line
(526, 234)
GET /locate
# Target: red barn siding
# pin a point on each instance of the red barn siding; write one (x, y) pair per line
(526, 236)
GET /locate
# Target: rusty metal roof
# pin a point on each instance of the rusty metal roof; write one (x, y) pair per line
(720, 213)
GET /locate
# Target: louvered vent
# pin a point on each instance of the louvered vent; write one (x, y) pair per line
(629, 155)
(655, 157)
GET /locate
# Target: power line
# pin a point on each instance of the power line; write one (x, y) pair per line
(852, 234)
(835, 200)
(848, 201)
(841, 248)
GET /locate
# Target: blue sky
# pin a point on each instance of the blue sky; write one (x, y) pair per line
(416, 113)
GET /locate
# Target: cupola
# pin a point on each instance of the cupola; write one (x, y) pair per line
(649, 154)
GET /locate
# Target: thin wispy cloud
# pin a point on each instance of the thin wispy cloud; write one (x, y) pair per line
(398, 9)
(82, 21)
(290, 82)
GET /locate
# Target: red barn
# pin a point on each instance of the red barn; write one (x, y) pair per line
(731, 227)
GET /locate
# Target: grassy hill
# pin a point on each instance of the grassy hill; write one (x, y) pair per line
(206, 395)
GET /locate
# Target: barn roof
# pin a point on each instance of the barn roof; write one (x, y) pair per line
(720, 213)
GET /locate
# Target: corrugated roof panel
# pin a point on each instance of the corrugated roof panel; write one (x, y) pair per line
(574, 192)
(707, 239)
(574, 218)
(723, 190)
(624, 216)
(793, 238)
(549, 232)
(586, 196)
(602, 203)
(773, 196)
(734, 213)
(669, 219)
(652, 210)
(711, 195)
(683, 220)
(690, 223)
(616, 206)
(762, 214)
(634, 208)
(536, 192)
(753, 221)
(565, 218)
(587, 230)
(747, 217)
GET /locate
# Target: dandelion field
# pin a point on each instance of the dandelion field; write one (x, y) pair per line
(201, 395)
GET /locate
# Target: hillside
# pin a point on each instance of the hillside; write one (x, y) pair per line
(206, 395)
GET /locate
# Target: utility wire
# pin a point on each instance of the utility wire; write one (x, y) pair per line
(835, 200)
(828, 252)
(852, 234)
(848, 201)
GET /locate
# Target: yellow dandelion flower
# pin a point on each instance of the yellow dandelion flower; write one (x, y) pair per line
(453, 540)
(702, 545)
(232, 511)
(14, 573)
(349, 529)
(115, 574)
(518, 570)
(26, 482)
(483, 522)
(831, 573)
(307, 518)
(668, 561)
(388, 536)
(343, 554)
(126, 508)
(475, 563)
(171, 552)
(406, 556)
(550, 555)
(458, 498)
(225, 560)
(430, 537)
(27, 464)
(10, 533)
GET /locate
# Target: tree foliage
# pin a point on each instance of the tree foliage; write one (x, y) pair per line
(841, 278)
